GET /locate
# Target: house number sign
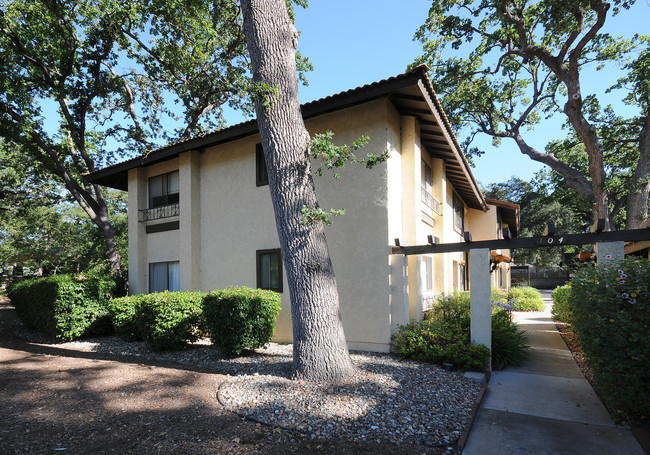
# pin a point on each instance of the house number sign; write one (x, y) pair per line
(550, 241)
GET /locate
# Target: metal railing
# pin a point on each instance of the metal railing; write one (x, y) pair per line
(157, 213)
(430, 201)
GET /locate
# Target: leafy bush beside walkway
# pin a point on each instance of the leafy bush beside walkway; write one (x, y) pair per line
(611, 306)
(444, 336)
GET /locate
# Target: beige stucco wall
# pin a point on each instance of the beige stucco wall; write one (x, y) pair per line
(147, 248)
(235, 218)
(485, 226)
(225, 218)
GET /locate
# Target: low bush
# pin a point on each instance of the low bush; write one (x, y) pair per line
(499, 295)
(525, 298)
(509, 344)
(123, 312)
(452, 307)
(165, 320)
(444, 337)
(561, 311)
(440, 341)
(611, 306)
(240, 319)
(67, 307)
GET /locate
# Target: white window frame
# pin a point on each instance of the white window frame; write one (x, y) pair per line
(171, 274)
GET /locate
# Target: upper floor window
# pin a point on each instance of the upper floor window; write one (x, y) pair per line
(499, 224)
(426, 177)
(427, 185)
(261, 176)
(163, 190)
(459, 214)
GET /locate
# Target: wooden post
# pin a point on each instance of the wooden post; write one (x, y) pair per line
(481, 298)
(399, 299)
(610, 252)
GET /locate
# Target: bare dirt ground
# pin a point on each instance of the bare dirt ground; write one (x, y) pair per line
(60, 401)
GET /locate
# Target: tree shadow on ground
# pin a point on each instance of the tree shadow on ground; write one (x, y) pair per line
(57, 398)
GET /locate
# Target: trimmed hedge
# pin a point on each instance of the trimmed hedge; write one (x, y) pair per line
(240, 319)
(67, 307)
(165, 320)
(124, 316)
(561, 311)
(499, 295)
(611, 305)
(525, 298)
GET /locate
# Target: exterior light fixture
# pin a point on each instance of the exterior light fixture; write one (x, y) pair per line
(585, 256)
(550, 230)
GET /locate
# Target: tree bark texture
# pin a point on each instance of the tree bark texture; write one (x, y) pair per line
(637, 201)
(594, 148)
(574, 179)
(320, 351)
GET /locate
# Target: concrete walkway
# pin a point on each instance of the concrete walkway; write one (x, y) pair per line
(545, 406)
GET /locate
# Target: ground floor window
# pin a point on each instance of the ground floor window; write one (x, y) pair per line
(428, 271)
(164, 276)
(269, 269)
(462, 272)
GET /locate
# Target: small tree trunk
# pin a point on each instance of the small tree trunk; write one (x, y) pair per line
(112, 253)
(97, 209)
(320, 351)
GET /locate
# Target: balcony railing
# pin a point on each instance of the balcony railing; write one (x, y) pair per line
(157, 213)
(430, 201)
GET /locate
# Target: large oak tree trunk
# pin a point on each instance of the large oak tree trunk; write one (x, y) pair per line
(594, 148)
(637, 201)
(320, 351)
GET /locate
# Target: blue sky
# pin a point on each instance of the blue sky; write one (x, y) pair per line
(356, 42)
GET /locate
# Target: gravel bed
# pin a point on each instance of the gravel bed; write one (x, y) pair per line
(387, 401)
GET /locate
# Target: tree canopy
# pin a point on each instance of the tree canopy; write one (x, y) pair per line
(523, 61)
(83, 83)
(41, 228)
(542, 202)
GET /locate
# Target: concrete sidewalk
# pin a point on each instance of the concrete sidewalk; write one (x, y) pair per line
(545, 406)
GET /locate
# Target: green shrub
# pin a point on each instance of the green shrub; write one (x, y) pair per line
(561, 311)
(509, 344)
(440, 341)
(67, 307)
(452, 307)
(239, 319)
(611, 307)
(499, 295)
(525, 298)
(123, 312)
(445, 336)
(165, 320)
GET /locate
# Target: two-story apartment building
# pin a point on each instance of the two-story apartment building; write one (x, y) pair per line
(200, 213)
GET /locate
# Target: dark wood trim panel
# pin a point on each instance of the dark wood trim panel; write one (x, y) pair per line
(633, 235)
(162, 227)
